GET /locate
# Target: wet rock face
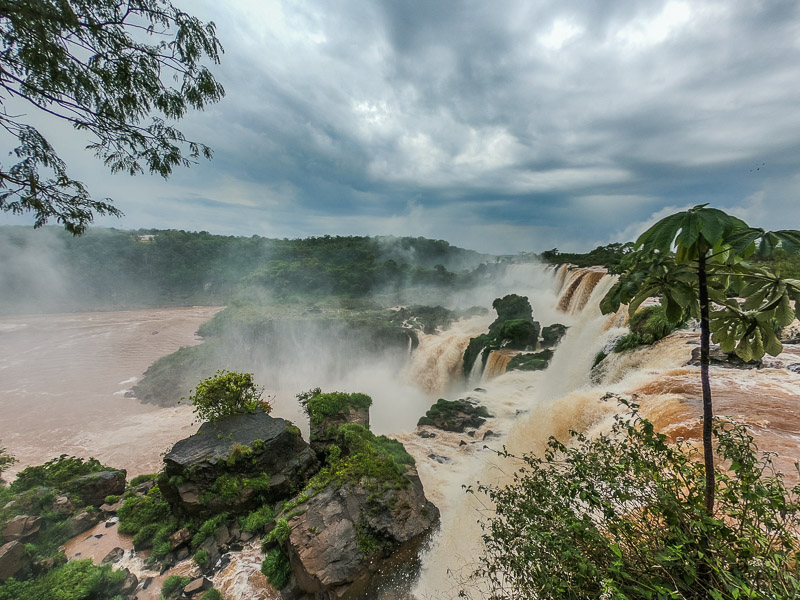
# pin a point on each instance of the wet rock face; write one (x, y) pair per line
(236, 464)
(348, 534)
(94, 488)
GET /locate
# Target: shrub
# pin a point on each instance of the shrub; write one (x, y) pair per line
(258, 519)
(6, 460)
(207, 529)
(622, 516)
(173, 585)
(211, 594)
(227, 393)
(201, 556)
(139, 479)
(319, 405)
(277, 569)
(647, 326)
(76, 580)
(146, 517)
(280, 533)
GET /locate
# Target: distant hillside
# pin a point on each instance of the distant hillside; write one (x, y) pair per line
(48, 270)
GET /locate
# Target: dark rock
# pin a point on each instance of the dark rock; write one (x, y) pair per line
(222, 536)
(113, 556)
(94, 488)
(111, 523)
(490, 434)
(43, 565)
(530, 361)
(140, 489)
(720, 359)
(243, 447)
(147, 582)
(471, 433)
(478, 389)
(424, 433)
(197, 585)
(130, 583)
(439, 459)
(462, 443)
(454, 415)
(182, 553)
(13, 559)
(180, 538)
(348, 533)
(21, 528)
(82, 521)
(247, 536)
(794, 367)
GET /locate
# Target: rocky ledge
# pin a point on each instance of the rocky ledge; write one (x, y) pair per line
(236, 464)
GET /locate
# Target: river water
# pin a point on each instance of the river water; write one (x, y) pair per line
(63, 380)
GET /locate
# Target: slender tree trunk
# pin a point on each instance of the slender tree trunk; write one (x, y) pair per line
(705, 344)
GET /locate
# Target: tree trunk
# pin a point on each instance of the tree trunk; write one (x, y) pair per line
(705, 344)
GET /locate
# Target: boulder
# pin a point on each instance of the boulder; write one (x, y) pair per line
(111, 509)
(82, 521)
(13, 559)
(63, 506)
(21, 528)
(129, 585)
(180, 538)
(236, 464)
(113, 556)
(454, 415)
(94, 488)
(552, 334)
(196, 585)
(349, 534)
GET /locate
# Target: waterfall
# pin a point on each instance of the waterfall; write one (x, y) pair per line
(578, 288)
(497, 362)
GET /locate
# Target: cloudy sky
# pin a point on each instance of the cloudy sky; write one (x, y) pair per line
(501, 126)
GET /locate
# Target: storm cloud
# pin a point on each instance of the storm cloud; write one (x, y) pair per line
(500, 126)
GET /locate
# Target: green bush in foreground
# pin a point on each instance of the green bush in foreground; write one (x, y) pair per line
(276, 568)
(173, 585)
(76, 580)
(623, 517)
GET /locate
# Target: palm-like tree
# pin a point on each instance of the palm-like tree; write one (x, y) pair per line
(695, 261)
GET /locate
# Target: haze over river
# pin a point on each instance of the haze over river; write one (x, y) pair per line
(63, 380)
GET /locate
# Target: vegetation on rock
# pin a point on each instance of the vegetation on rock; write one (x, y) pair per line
(276, 568)
(623, 516)
(454, 415)
(75, 580)
(513, 328)
(647, 326)
(227, 394)
(318, 405)
(530, 361)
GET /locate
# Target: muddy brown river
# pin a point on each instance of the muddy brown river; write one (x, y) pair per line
(63, 380)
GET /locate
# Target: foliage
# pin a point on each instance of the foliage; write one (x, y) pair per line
(532, 361)
(695, 258)
(207, 529)
(103, 67)
(623, 516)
(258, 519)
(359, 456)
(6, 460)
(318, 405)
(227, 393)
(552, 334)
(55, 473)
(76, 580)
(280, 533)
(147, 518)
(610, 256)
(174, 584)
(647, 326)
(201, 556)
(277, 569)
(140, 479)
(212, 594)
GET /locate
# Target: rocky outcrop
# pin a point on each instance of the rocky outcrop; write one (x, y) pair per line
(532, 361)
(348, 535)
(455, 415)
(552, 334)
(94, 488)
(13, 559)
(235, 465)
(322, 434)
